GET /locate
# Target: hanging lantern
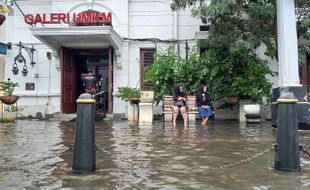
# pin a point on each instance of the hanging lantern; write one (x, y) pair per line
(20, 59)
(24, 71)
(15, 69)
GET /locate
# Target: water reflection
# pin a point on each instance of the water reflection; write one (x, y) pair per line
(148, 157)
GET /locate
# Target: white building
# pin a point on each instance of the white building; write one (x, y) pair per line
(63, 50)
(116, 51)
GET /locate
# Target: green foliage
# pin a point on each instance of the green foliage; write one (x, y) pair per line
(13, 108)
(162, 72)
(3, 9)
(169, 69)
(125, 93)
(253, 22)
(237, 72)
(230, 72)
(8, 87)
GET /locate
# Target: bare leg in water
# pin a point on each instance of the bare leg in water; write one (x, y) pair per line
(175, 115)
(184, 115)
(204, 121)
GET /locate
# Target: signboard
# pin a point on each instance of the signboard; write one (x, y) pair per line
(56, 18)
(29, 86)
(3, 48)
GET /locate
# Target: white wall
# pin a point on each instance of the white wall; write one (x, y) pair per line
(150, 19)
(2, 57)
(133, 19)
(47, 85)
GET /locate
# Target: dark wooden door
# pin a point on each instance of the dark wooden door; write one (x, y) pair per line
(308, 71)
(305, 72)
(110, 96)
(68, 81)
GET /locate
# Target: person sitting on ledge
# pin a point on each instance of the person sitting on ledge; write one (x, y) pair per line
(180, 98)
(203, 102)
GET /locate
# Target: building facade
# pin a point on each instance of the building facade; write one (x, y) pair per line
(113, 39)
(115, 46)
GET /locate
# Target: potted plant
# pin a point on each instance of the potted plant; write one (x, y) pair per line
(8, 87)
(3, 10)
(131, 96)
(128, 94)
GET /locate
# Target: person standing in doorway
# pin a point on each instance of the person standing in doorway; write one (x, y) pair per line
(89, 81)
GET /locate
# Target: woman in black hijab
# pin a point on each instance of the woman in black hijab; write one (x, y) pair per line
(203, 102)
(180, 98)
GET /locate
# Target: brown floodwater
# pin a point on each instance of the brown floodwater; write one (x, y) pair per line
(148, 157)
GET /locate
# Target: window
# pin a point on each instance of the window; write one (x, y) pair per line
(146, 58)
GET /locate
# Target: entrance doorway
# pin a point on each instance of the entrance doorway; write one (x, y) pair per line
(79, 61)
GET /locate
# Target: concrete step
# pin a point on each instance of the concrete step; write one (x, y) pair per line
(62, 117)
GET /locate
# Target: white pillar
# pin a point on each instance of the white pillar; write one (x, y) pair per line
(287, 43)
(146, 112)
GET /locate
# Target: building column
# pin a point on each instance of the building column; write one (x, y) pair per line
(288, 64)
(287, 43)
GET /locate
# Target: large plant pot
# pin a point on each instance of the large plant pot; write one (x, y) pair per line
(251, 109)
(147, 96)
(232, 100)
(134, 100)
(8, 117)
(132, 111)
(2, 18)
(9, 100)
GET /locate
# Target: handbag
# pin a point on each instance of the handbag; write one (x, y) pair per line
(179, 103)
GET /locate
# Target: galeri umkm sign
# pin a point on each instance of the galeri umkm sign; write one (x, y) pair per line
(57, 18)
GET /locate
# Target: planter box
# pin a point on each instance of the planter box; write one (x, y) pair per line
(132, 112)
(7, 117)
(2, 18)
(9, 100)
(251, 109)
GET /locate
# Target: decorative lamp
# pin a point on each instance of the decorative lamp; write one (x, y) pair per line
(24, 71)
(15, 69)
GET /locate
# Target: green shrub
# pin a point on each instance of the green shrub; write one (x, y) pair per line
(8, 87)
(125, 93)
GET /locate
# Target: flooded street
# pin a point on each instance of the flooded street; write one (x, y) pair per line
(148, 157)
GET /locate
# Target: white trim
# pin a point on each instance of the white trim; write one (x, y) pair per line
(34, 94)
(47, 35)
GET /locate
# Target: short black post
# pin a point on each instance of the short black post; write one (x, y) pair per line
(287, 155)
(84, 156)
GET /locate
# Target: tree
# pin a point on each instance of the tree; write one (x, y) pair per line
(252, 21)
(222, 71)
(237, 73)
(169, 69)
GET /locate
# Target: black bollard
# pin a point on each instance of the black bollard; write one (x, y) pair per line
(287, 155)
(84, 156)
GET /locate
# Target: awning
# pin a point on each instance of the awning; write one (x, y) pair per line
(78, 36)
